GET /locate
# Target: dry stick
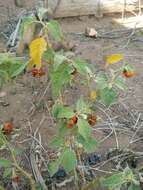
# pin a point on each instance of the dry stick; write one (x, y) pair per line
(82, 170)
(137, 121)
(40, 99)
(34, 166)
(131, 141)
(111, 126)
(51, 118)
(35, 169)
(26, 174)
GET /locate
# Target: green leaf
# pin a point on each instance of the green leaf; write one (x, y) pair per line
(25, 24)
(65, 112)
(7, 172)
(89, 145)
(57, 142)
(1, 188)
(56, 109)
(53, 167)
(113, 181)
(68, 160)
(55, 30)
(17, 69)
(108, 96)
(49, 55)
(58, 60)
(81, 66)
(120, 83)
(101, 81)
(5, 163)
(128, 174)
(63, 129)
(59, 78)
(82, 106)
(84, 128)
(134, 187)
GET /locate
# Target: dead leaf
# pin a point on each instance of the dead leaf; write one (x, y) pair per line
(114, 58)
(37, 48)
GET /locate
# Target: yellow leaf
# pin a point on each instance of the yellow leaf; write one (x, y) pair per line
(114, 58)
(37, 48)
(93, 95)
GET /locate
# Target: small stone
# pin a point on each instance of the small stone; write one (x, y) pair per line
(91, 32)
(2, 94)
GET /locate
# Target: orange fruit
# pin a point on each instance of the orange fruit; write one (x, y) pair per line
(128, 74)
(7, 128)
(38, 72)
(92, 119)
(72, 122)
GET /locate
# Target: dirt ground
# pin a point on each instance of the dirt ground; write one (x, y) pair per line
(17, 100)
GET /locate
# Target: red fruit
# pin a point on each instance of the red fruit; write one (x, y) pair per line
(38, 72)
(34, 72)
(74, 119)
(72, 122)
(128, 74)
(7, 128)
(92, 119)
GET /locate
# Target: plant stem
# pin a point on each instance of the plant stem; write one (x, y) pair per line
(26, 174)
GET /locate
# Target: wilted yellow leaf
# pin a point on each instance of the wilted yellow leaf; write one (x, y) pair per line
(37, 48)
(114, 58)
(93, 95)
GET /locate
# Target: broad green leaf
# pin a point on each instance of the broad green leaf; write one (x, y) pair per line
(58, 60)
(53, 167)
(68, 160)
(59, 78)
(48, 56)
(57, 142)
(120, 83)
(18, 69)
(114, 181)
(5, 163)
(63, 129)
(65, 112)
(25, 24)
(108, 96)
(128, 174)
(7, 172)
(81, 66)
(55, 30)
(114, 58)
(101, 81)
(89, 145)
(82, 106)
(56, 109)
(83, 128)
(134, 187)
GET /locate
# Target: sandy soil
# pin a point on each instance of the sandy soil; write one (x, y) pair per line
(20, 97)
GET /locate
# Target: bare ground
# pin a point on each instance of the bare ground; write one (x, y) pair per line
(126, 116)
